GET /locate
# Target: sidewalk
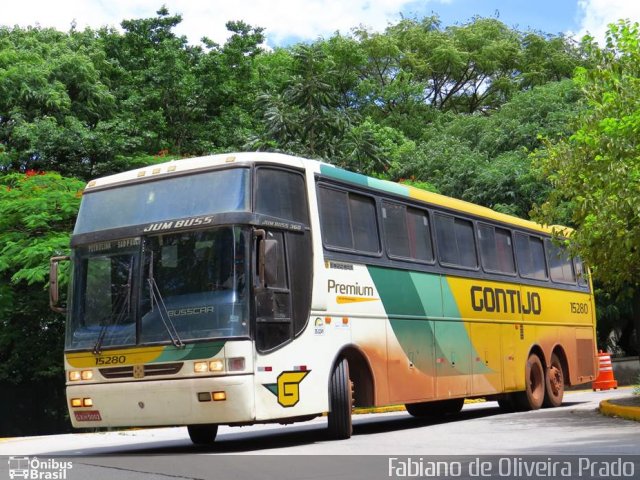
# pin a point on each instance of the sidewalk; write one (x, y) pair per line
(627, 407)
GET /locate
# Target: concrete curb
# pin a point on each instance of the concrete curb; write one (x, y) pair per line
(611, 410)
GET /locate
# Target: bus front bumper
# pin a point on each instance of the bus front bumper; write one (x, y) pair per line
(163, 402)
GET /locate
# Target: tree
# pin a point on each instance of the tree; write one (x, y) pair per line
(37, 212)
(304, 118)
(485, 159)
(52, 101)
(595, 173)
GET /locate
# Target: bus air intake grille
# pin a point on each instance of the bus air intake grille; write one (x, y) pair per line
(149, 370)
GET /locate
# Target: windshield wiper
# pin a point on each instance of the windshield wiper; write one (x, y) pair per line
(156, 297)
(123, 308)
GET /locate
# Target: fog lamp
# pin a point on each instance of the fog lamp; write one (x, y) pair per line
(219, 396)
(204, 397)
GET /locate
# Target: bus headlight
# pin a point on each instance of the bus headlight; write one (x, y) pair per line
(216, 365)
(76, 375)
(200, 367)
(81, 402)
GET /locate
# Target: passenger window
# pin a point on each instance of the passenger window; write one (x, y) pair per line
(334, 216)
(407, 232)
(496, 249)
(364, 224)
(560, 264)
(348, 221)
(456, 244)
(530, 257)
(581, 272)
(395, 229)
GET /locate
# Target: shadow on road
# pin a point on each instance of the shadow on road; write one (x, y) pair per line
(239, 441)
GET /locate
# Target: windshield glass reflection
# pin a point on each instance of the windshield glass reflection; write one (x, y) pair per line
(104, 277)
(200, 281)
(164, 288)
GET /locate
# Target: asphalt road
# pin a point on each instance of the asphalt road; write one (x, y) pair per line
(480, 429)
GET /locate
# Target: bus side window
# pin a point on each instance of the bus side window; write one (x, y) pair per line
(560, 264)
(530, 257)
(496, 249)
(334, 215)
(348, 221)
(407, 232)
(581, 272)
(282, 194)
(456, 244)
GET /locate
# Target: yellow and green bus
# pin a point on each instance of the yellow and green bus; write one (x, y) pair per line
(259, 287)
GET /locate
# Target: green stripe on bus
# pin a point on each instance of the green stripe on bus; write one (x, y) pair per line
(358, 179)
(428, 296)
(192, 351)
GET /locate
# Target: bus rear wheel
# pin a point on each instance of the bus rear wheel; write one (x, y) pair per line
(203, 434)
(554, 383)
(340, 402)
(533, 397)
(435, 409)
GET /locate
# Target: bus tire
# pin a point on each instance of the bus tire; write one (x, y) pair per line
(554, 383)
(203, 434)
(435, 409)
(340, 402)
(533, 397)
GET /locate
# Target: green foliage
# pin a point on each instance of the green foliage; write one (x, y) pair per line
(37, 212)
(595, 173)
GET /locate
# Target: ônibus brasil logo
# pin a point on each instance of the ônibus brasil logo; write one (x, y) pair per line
(36, 469)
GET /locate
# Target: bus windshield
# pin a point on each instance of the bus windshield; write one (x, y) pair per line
(164, 288)
(165, 199)
(199, 279)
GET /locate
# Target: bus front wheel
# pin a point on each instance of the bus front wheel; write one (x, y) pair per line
(340, 402)
(533, 397)
(203, 434)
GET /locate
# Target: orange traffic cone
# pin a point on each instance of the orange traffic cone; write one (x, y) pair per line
(605, 380)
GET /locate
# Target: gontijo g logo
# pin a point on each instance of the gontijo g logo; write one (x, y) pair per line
(288, 387)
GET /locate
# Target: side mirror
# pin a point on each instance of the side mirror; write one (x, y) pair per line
(54, 294)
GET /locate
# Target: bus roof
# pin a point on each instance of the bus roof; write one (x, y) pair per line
(199, 163)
